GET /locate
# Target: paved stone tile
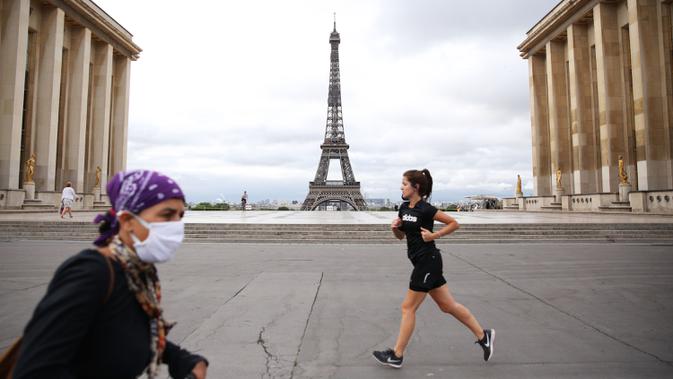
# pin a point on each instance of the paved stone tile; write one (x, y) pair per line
(581, 310)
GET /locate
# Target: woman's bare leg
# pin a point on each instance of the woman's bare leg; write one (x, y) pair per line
(410, 305)
(445, 301)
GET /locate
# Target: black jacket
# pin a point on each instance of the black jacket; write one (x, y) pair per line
(79, 332)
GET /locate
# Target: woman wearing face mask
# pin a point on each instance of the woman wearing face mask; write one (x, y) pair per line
(101, 316)
(415, 221)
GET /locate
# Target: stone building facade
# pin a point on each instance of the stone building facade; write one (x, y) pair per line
(64, 95)
(601, 97)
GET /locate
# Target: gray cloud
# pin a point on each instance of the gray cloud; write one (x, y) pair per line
(235, 97)
(411, 25)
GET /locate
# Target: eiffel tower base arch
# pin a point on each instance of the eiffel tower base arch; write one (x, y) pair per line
(321, 194)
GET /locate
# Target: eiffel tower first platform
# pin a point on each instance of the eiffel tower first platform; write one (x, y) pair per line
(324, 192)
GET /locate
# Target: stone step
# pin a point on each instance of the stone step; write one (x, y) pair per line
(456, 234)
(355, 236)
(100, 206)
(351, 227)
(614, 208)
(360, 233)
(496, 236)
(666, 241)
(37, 204)
(474, 233)
(464, 230)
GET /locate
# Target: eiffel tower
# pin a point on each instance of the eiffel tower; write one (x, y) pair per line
(322, 192)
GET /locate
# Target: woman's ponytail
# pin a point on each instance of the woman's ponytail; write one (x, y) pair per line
(428, 187)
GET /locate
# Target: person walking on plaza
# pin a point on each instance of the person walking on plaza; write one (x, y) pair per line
(415, 222)
(244, 199)
(102, 315)
(68, 197)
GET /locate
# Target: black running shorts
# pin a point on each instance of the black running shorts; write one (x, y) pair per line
(427, 274)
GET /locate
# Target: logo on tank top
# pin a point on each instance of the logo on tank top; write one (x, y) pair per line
(409, 218)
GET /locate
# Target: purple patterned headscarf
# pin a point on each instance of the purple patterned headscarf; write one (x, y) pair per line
(134, 191)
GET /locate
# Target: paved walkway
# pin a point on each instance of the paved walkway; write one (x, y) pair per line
(298, 217)
(317, 311)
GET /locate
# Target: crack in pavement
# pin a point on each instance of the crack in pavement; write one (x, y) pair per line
(269, 357)
(301, 342)
(31, 287)
(217, 310)
(558, 309)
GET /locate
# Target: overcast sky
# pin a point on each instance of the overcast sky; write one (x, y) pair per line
(232, 95)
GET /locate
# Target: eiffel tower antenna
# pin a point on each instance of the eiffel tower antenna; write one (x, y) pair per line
(334, 147)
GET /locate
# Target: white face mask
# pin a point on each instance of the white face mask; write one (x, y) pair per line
(161, 243)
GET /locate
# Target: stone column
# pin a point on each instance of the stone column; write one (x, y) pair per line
(100, 141)
(13, 46)
(539, 125)
(559, 133)
(120, 115)
(579, 69)
(48, 91)
(610, 96)
(78, 92)
(666, 9)
(652, 144)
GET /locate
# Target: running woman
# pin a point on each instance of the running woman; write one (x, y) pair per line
(415, 221)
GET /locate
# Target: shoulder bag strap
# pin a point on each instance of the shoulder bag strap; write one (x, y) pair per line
(9, 358)
(111, 283)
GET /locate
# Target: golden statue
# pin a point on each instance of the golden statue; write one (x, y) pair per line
(99, 171)
(558, 178)
(518, 184)
(30, 168)
(623, 178)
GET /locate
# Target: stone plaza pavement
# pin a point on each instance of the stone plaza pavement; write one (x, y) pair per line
(317, 311)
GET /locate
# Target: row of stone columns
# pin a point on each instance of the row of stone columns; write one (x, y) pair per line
(90, 100)
(592, 103)
(13, 39)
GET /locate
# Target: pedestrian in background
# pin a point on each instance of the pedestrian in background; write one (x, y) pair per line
(244, 199)
(68, 197)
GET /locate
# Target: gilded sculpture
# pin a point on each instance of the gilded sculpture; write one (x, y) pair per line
(558, 178)
(30, 168)
(99, 171)
(518, 184)
(623, 178)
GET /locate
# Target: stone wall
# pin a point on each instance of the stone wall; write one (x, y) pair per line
(64, 90)
(601, 89)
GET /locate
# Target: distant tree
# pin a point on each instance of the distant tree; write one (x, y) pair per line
(221, 206)
(202, 206)
(283, 208)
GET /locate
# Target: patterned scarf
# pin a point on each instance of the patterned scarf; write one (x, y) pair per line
(143, 281)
